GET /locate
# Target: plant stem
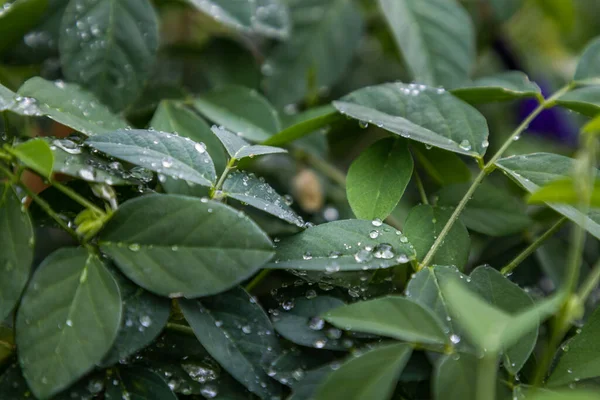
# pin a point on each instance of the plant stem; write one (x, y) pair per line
(180, 328)
(420, 187)
(533, 247)
(228, 168)
(486, 377)
(590, 283)
(77, 198)
(487, 169)
(258, 279)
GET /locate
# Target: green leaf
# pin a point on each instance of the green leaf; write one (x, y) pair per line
(241, 110)
(585, 100)
(72, 159)
(505, 9)
(444, 167)
(424, 223)
(109, 47)
(68, 320)
(175, 117)
(317, 53)
(588, 68)
(144, 317)
(67, 104)
(17, 18)
(378, 178)
(135, 383)
(7, 344)
(268, 18)
(491, 211)
(436, 39)
(504, 86)
(350, 245)
(16, 249)
(7, 98)
(425, 288)
(165, 153)
(563, 191)
(167, 244)
(564, 395)
(303, 325)
(371, 375)
(36, 155)
(304, 124)
(580, 359)
(237, 333)
(442, 120)
(561, 11)
(455, 377)
(533, 171)
(292, 365)
(238, 148)
(510, 298)
(310, 383)
(249, 189)
(392, 316)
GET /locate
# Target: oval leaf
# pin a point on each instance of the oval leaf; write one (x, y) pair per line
(588, 68)
(241, 110)
(16, 250)
(109, 47)
(442, 120)
(237, 333)
(68, 320)
(585, 100)
(238, 148)
(371, 375)
(564, 191)
(350, 245)
(136, 383)
(392, 316)
(444, 167)
(436, 38)
(167, 245)
(36, 155)
(378, 177)
(504, 86)
(161, 152)
(454, 378)
(305, 124)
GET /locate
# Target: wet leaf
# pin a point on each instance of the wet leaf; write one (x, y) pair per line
(564, 191)
(17, 18)
(350, 245)
(36, 155)
(585, 100)
(238, 148)
(7, 98)
(304, 124)
(167, 244)
(589, 64)
(455, 376)
(68, 320)
(443, 166)
(504, 86)
(135, 383)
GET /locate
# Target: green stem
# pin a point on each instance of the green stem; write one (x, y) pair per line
(228, 168)
(487, 169)
(590, 283)
(486, 377)
(77, 198)
(420, 187)
(258, 279)
(180, 328)
(533, 247)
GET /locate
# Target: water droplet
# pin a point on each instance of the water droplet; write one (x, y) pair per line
(376, 222)
(320, 343)
(307, 256)
(455, 339)
(247, 329)
(363, 256)
(485, 144)
(69, 322)
(200, 147)
(383, 251)
(134, 247)
(67, 145)
(363, 124)
(373, 234)
(465, 145)
(145, 321)
(316, 323)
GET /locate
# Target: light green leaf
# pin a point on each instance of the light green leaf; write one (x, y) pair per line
(144, 317)
(391, 316)
(237, 333)
(67, 104)
(378, 177)
(175, 117)
(165, 153)
(136, 383)
(16, 249)
(581, 358)
(68, 320)
(36, 155)
(510, 298)
(442, 120)
(564, 395)
(17, 18)
(7, 98)
(455, 377)
(303, 325)
(533, 171)
(588, 68)
(167, 244)
(249, 189)
(241, 110)
(585, 100)
(504, 86)
(238, 148)
(371, 375)
(436, 38)
(263, 17)
(444, 167)
(349, 245)
(422, 226)
(109, 47)
(563, 191)
(304, 124)
(326, 34)
(491, 211)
